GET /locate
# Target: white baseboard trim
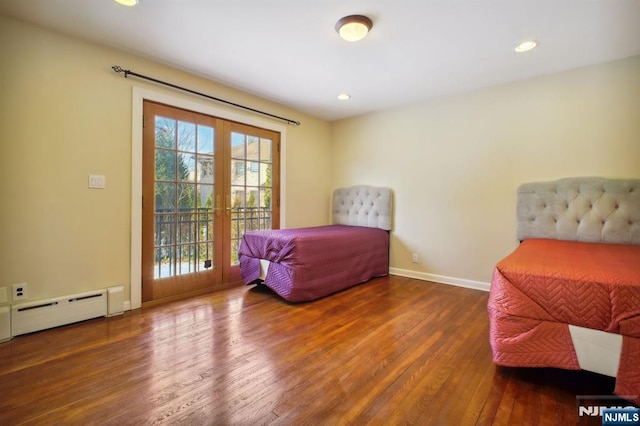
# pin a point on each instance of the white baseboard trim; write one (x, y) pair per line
(127, 305)
(442, 279)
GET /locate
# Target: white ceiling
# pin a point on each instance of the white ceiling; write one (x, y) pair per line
(288, 51)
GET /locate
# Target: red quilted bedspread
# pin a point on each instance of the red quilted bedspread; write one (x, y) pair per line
(544, 285)
(308, 263)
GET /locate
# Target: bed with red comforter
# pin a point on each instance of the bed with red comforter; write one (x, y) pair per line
(304, 264)
(553, 286)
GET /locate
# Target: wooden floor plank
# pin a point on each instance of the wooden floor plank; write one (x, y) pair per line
(391, 351)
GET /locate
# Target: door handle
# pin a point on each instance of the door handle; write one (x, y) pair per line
(217, 207)
(228, 209)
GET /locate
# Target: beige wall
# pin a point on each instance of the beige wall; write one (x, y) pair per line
(64, 115)
(454, 163)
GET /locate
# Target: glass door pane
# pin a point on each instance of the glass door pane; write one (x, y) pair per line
(184, 189)
(251, 185)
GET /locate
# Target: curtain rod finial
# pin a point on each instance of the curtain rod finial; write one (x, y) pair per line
(118, 69)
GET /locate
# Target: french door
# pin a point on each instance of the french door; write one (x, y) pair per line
(206, 181)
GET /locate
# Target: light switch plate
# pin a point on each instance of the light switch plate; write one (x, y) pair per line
(96, 181)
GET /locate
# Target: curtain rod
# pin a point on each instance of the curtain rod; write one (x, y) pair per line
(127, 73)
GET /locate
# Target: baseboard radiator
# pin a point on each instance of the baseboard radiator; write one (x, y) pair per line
(43, 314)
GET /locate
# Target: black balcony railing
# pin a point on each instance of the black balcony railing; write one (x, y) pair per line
(184, 237)
(249, 219)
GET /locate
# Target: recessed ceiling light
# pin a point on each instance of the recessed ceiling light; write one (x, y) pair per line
(525, 46)
(127, 2)
(354, 27)
(344, 96)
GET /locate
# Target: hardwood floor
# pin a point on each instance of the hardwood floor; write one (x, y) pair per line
(391, 351)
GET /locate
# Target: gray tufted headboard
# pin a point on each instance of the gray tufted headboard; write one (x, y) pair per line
(580, 209)
(363, 206)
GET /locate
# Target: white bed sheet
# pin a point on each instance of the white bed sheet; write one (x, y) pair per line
(597, 351)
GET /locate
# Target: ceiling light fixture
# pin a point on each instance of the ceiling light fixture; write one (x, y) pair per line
(344, 96)
(127, 2)
(526, 46)
(354, 27)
